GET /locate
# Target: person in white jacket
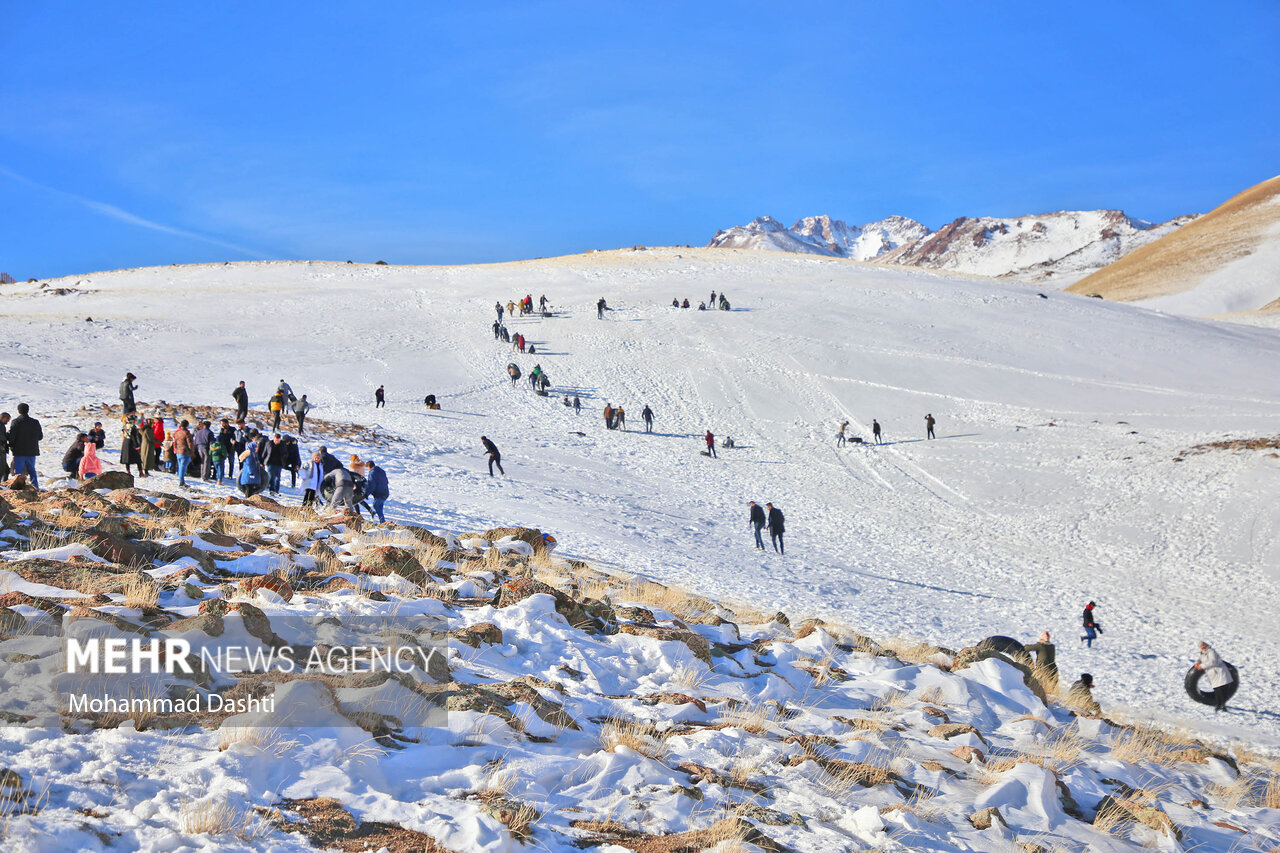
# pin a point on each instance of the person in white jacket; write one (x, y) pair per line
(1216, 675)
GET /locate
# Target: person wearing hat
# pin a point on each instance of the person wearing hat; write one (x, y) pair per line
(131, 444)
(1216, 675)
(1081, 695)
(1091, 628)
(98, 435)
(126, 394)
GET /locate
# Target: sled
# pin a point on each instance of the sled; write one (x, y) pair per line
(1192, 684)
(706, 453)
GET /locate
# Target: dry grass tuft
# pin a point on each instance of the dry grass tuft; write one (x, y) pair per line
(636, 736)
(212, 816)
(754, 717)
(1146, 743)
(894, 700)
(140, 590)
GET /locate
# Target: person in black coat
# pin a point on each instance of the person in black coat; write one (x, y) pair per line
(241, 396)
(495, 458)
(126, 394)
(292, 460)
(380, 396)
(71, 459)
(131, 446)
(98, 435)
(25, 436)
(1091, 628)
(328, 462)
(757, 521)
(776, 526)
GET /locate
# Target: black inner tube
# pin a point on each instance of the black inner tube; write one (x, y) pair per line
(327, 486)
(1192, 685)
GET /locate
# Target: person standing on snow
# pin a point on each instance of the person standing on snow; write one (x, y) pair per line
(600, 308)
(875, 429)
(1091, 628)
(276, 406)
(126, 394)
(620, 418)
(182, 447)
(840, 436)
(25, 436)
(241, 396)
(312, 476)
(202, 438)
(776, 528)
(4, 446)
(647, 417)
(757, 520)
(577, 404)
(376, 484)
(148, 445)
(608, 415)
(1216, 675)
(283, 388)
(495, 458)
(711, 445)
(131, 446)
(497, 306)
(928, 426)
(300, 409)
(380, 396)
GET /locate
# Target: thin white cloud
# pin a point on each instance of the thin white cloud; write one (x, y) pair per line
(120, 215)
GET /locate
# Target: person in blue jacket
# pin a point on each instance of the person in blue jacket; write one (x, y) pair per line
(376, 482)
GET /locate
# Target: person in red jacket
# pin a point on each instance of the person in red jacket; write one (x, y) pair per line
(711, 445)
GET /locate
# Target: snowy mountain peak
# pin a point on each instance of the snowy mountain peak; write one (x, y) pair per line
(1062, 244)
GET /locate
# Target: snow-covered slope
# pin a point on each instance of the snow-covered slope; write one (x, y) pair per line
(1227, 261)
(1052, 482)
(1059, 247)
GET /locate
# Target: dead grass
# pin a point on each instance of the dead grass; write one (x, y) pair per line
(634, 735)
(754, 717)
(140, 590)
(214, 816)
(1146, 743)
(894, 700)
(1180, 260)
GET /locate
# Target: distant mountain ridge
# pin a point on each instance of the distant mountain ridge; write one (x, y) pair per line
(1061, 245)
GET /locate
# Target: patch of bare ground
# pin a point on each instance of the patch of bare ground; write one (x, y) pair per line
(1181, 259)
(326, 824)
(1234, 445)
(730, 829)
(370, 434)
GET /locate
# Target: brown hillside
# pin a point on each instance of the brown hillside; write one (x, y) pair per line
(1181, 259)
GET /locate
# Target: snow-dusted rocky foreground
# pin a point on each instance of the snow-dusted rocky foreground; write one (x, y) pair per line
(1053, 481)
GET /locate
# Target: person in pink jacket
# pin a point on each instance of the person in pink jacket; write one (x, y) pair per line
(90, 464)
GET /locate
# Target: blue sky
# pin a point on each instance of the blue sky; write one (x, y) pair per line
(134, 134)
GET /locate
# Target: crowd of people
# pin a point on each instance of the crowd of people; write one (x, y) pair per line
(253, 459)
(721, 304)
